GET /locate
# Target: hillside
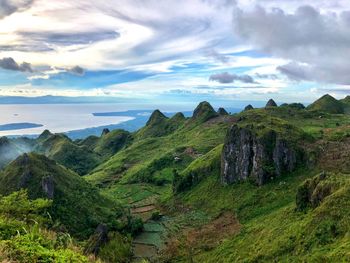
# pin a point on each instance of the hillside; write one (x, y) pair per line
(78, 206)
(327, 104)
(263, 185)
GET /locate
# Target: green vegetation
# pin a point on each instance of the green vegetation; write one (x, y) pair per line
(24, 236)
(111, 143)
(327, 104)
(275, 230)
(160, 190)
(76, 205)
(160, 125)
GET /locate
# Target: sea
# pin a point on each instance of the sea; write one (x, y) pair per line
(33, 119)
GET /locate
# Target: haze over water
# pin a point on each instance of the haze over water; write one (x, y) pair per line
(58, 117)
(68, 117)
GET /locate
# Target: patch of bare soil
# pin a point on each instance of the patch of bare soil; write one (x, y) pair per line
(335, 155)
(204, 238)
(142, 209)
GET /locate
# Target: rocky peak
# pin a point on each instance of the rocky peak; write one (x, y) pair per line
(105, 131)
(178, 116)
(156, 118)
(271, 103)
(44, 135)
(204, 112)
(247, 156)
(248, 107)
(222, 112)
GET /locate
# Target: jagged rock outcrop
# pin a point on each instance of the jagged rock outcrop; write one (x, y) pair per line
(222, 112)
(48, 186)
(105, 131)
(247, 156)
(271, 103)
(248, 107)
(44, 135)
(204, 112)
(156, 117)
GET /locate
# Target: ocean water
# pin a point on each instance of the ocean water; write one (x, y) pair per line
(59, 117)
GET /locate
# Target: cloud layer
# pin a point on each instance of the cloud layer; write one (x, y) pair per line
(8, 7)
(317, 44)
(230, 78)
(11, 64)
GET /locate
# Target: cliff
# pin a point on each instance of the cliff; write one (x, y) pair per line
(247, 156)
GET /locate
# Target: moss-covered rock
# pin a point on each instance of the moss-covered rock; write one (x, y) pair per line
(313, 191)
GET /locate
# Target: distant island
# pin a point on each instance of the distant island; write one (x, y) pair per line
(19, 126)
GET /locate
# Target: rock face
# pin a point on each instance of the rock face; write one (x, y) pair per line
(249, 157)
(271, 103)
(48, 186)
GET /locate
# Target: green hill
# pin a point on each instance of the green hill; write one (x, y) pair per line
(110, 143)
(327, 104)
(8, 151)
(160, 125)
(79, 158)
(267, 184)
(77, 205)
(203, 112)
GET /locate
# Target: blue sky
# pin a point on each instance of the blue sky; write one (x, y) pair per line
(220, 50)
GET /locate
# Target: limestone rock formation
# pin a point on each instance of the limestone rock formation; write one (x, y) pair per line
(248, 107)
(247, 156)
(271, 103)
(105, 131)
(204, 112)
(222, 112)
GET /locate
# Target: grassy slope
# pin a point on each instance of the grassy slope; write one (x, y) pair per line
(273, 230)
(128, 162)
(76, 204)
(327, 104)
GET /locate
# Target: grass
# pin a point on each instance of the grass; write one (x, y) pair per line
(77, 205)
(272, 228)
(127, 163)
(24, 236)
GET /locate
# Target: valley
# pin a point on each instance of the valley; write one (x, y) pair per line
(264, 185)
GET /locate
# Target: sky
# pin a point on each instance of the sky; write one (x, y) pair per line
(289, 50)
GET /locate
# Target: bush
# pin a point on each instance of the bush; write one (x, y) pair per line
(118, 249)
